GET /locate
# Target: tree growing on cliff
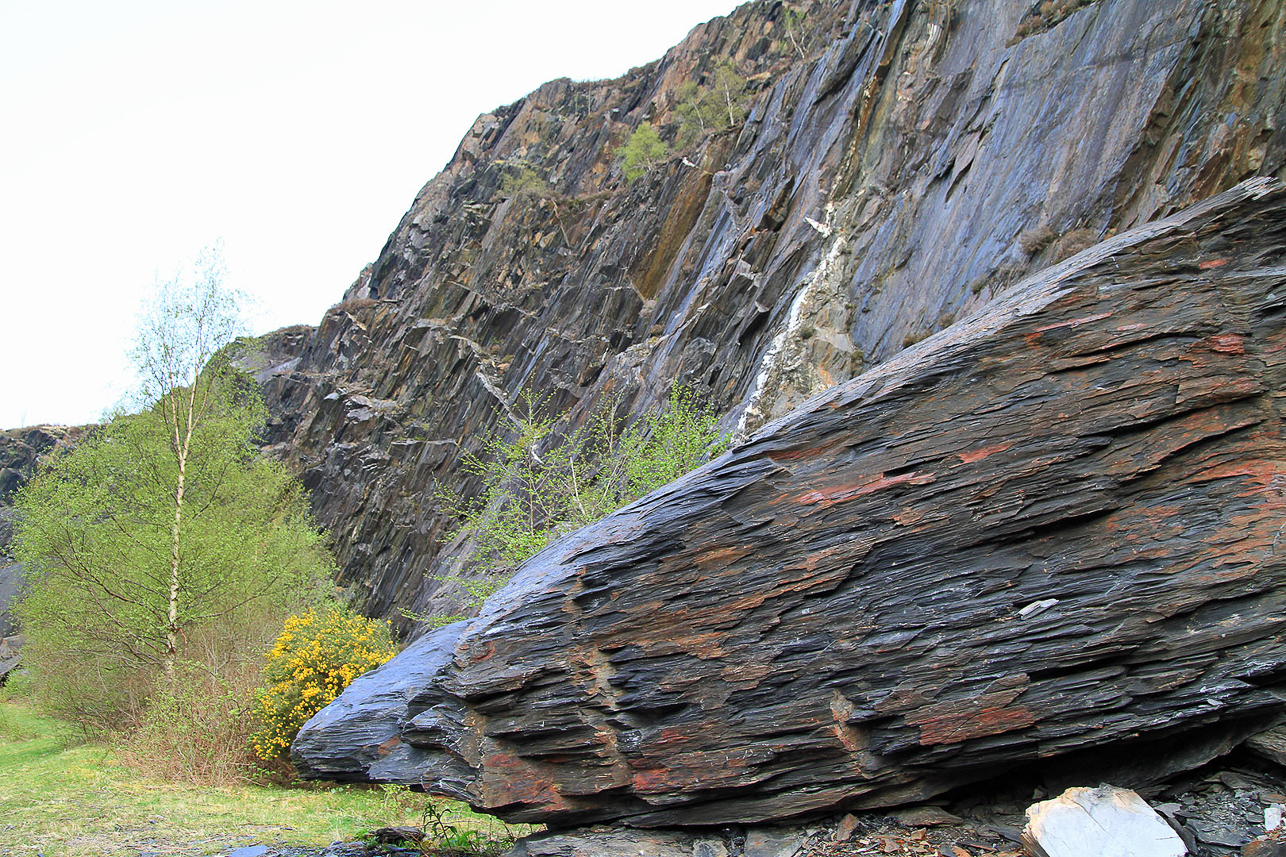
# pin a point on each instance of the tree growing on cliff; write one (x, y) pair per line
(721, 102)
(163, 521)
(644, 149)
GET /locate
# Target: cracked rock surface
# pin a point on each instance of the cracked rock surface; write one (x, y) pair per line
(841, 613)
(900, 165)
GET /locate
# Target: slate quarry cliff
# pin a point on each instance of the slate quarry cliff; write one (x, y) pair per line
(901, 163)
(1080, 469)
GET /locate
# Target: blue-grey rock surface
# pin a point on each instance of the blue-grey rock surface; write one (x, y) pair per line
(899, 165)
(374, 712)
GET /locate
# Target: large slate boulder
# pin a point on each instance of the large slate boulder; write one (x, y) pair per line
(373, 714)
(1053, 528)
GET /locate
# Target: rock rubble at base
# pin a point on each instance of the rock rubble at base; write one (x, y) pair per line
(1228, 799)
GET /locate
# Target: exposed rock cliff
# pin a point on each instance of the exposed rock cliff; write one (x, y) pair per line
(1052, 528)
(901, 163)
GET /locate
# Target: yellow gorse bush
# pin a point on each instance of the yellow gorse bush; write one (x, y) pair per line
(317, 655)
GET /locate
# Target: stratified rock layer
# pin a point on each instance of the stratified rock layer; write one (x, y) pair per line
(1052, 527)
(373, 714)
(900, 165)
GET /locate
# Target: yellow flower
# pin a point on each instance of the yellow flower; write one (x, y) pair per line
(310, 663)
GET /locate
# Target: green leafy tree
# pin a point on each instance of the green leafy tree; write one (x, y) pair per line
(719, 104)
(793, 22)
(697, 113)
(731, 89)
(642, 151)
(163, 521)
(178, 336)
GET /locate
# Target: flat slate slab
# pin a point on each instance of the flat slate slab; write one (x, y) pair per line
(1105, 821)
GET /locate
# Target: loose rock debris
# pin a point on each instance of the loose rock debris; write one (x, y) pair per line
(1233, 808)
(1219, 811)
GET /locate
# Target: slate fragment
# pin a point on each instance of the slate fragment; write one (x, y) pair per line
(1105, 821)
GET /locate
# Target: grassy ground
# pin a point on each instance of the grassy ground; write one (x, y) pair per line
(61, 798)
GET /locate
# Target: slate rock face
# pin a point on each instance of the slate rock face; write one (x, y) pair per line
(20, 452)
(1054, 527)
(901, 164)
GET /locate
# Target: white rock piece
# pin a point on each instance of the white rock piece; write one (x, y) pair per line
(1104, 822)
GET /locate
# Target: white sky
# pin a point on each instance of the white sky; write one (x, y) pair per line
(135, 133)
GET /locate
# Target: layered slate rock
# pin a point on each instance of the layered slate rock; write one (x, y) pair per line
(1055, 526)
(900, 164)
(373, 714)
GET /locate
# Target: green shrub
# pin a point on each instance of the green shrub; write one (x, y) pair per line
(521, 179)
(721, 103)
(196, 728)
(476, 834)
(664, 445)
(197, 724)
(644, 149)
(793, 21)
(317, 655)
(538, 485)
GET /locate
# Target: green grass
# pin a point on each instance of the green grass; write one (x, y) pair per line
(63, 798)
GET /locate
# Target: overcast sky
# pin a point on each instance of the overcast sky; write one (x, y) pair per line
(135, 133)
